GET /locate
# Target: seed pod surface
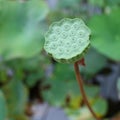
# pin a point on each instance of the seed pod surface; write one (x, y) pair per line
(67, 40)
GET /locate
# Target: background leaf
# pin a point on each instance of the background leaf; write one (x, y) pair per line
(106, 34)
(94, 63)
(3, 108)
(21, 34)
(16, 97)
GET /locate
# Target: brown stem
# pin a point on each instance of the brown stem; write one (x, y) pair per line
(80, 82)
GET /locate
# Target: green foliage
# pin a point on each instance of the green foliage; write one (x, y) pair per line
(92, 92)
(97, 2)
(20, 117)
(112, 2)
(94, 63)
(3, 108)
(67, 41)
(58, 91)
(68, 3)
(36, 68)
(64, 76)
(69, 88)
(63, 72)
(21, 34)
(16, 97)
(3, 74)
(99, 105)
(106, 34)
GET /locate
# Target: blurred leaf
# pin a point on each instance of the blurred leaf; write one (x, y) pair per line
(21, 34)
(113, 2)
(97, 2)
(36, 63)
(62, 84)
(33, 78)
(68, 3)
(92, 91)
(63, 72)
(100, 106)
(3, 109)
(16, 97)
(59, 91)
(56, 16)
(94, 63)
(36, 69)
(106, 34)
(83, 113)
(29, 70)
(75, 102)
(56, 95)
(20, 117)
(3, 75)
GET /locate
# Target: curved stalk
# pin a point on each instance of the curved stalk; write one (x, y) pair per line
(80, 82)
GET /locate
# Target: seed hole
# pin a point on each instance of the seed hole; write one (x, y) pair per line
(66, 27)
(67, 50)
(68, 43)
(76, 26)
(58, 31)
(72, 33)
(73, 39)
(64, 35)
(54, 37)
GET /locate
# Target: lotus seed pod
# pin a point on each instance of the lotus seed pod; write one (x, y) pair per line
(67, 40)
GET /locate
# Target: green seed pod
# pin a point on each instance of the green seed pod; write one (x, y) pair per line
(67, 40)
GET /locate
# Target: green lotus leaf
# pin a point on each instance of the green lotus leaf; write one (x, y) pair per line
(93, 67)
(67, 40)
(113, 2)
(97, 2)
(68, 3)
(20, 29)
(3, 109)
(100, 106)
(106, 34)
(16, 96)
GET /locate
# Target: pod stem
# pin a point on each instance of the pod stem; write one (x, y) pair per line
(80, 82)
